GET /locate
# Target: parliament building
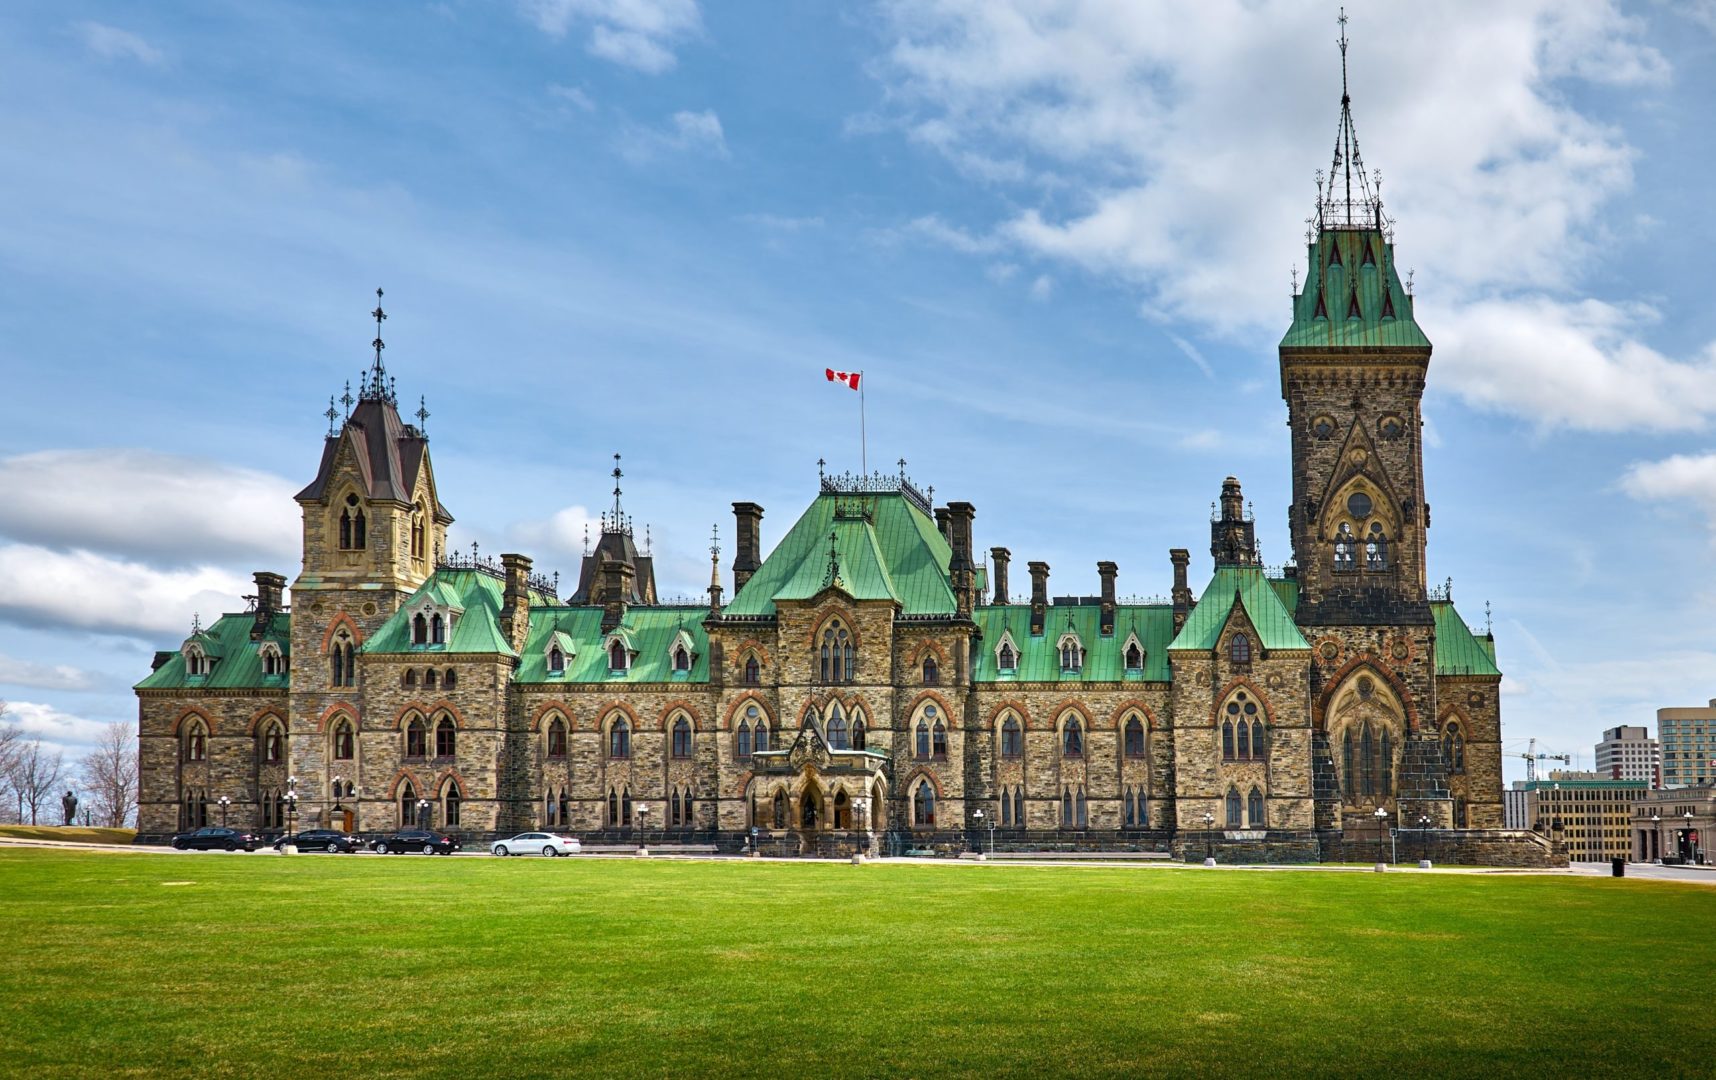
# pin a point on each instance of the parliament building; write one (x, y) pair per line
(875, 682)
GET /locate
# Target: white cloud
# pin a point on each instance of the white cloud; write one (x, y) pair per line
(572, 96)
(934, 230)
(84, 590)
(564, 533)
(687, 132)
(112, 43)
(1043, 287)
(1682, 479)
(1193, 355)
(1207, 439)
(62, 730)
(635, 33)
(15, 672)
(140, 504)
(1160, 159)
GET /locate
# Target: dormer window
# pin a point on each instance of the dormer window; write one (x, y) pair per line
(1134, 657)
(438, 629)
(618, 658)
(273, 660)
(196, 661)
(1072, 654)
(680, 654)
(556, 661)
(353, 528)
(1006, 655)
(681, 659)
(419, 629)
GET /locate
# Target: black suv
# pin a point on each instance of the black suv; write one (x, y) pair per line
(429, 843)
(320, 840)
(216, 838)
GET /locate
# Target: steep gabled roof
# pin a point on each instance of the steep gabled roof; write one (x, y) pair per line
(388, 452)
(1263, 606)
(477, 629)
(1040, 658)
(1339, 276)
(235, 660)
(647, 631)
(887, 548)
(1458, 650)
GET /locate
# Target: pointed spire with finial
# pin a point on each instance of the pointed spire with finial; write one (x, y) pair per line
(332, 414)
(347, 399)
(1340, 205)
(196, 623)
(617, 475)
(833, 577)
(422, 416)
(375, 384)
(715, 569)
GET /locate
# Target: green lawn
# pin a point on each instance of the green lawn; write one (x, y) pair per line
(318, 967)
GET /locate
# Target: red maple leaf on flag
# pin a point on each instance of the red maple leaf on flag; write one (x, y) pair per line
(850, 378)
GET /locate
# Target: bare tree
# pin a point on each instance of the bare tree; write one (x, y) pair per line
(108, 774)
(11, 738)
(36, 773)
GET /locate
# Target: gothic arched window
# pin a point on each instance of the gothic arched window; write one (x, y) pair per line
(416, 738)
(938, 743)
(1235, 810)
(1072, 739)
(273, 744)
(1375, 548)
(1227, 740)
(557, 738)
(1454, 747)
(1006, 659)
(742, 742)
(556, 661)
(620, 741)
(932, 673)
(857, 731)
(1011, 738)
(419, 630)
(753, 671)
(453, 800)
(681, 659)
(682, 738)
(1344, 547)
(1254, 809)
(438, 629)
(1134, 744)
(618, 658)
(444, 738)
(1134, 657)
(923, 806)
(407, 806)
(834, 656)
(197, 742)
(923, 741)
(1239, 649)
(344, 749)
(836, 729)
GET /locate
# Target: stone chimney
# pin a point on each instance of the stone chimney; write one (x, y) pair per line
(1233, 540)
(1107, 571)
(617, 579)
(1039, 596)
(998, 559)
(941, 516)
(961, 567)
(270, 588)
(515, 600)
(1181, 558)
(748, 545)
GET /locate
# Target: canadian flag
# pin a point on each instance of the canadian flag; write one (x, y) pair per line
(850, 378)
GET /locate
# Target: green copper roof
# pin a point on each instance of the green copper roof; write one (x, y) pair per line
(476, 630)
(1263, 606)
(1349, 263)
(649, 632)
(887, 548)
(1458, 650)
(1104, 659)
(235, 661)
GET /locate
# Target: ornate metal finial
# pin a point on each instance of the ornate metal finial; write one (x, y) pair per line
(646, 538)
(422, 415)
(586, 539)
(1489, 630)
(902, 468)
(833, 562)
(617, 475)
(473, 551)
(332, 414)
(557, 584)
(1409, 275)
(715, 543)
(820, 466)
(380, 317)
(196, 623)
(1293, 286)
(348, 399)
(1342, 19)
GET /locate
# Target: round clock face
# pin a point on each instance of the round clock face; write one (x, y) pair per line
(1358, 504)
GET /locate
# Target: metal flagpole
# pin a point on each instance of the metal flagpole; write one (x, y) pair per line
(863, 447)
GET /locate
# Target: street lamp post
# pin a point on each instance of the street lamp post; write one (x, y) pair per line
(1209, 838)
(422, 813)
(1688, 849)
(224, 803)
(1656, 834)
(1381, 833)
(643, 819)
(291, 801)
(1424, 841)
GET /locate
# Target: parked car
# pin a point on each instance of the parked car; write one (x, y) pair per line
(321, 840)
(429, 843)
(216, 838)
(536, 843)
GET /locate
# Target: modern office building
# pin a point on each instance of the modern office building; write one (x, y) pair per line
(1629, 753)
(1688, 745)
(1595, 814)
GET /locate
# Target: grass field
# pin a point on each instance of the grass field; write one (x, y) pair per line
(318, 967)
(75, 834)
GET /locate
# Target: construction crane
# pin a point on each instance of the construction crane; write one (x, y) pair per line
(1532, 757)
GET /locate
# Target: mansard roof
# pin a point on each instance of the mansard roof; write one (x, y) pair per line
(1344, 264)
(1458, 650)
(887, 547)
(235, 660)
(648, 631)
(1263, 605)
(476, 630)
(1040, 658)
(389, 454)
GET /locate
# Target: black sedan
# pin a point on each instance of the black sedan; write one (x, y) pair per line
(320, 840)
(429, 843)
(216, 838)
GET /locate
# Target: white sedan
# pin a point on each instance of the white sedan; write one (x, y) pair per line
(536, 843)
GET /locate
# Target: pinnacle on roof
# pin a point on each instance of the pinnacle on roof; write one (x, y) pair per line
(376, 386)
(1346, 204)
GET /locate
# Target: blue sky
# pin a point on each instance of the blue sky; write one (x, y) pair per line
(1056, 236)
